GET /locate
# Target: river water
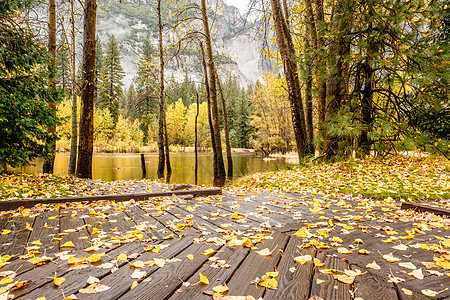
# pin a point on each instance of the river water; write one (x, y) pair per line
(118, 166)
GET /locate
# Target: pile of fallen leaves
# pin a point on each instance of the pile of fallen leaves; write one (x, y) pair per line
(34, 186)
(400, 177)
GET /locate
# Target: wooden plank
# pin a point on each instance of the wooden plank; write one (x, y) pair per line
(120, 281)
(217, 276)
(330, 288)
(138, 215)
(44, 230)
(168, 279)
(296, 284)
(440, 211)
(15, 242)
(9, 205)
(73, 228)
(256, 265)
(370, 286)
(75, 279)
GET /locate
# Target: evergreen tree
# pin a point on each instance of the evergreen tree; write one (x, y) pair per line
(25, 110)
(110, 92)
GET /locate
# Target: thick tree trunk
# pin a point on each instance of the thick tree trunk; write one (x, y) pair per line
(227, 131)
(161, 156)
(210, 122)
(221, 175)
(321, 70)
(336, 88)
(49, 162)
(86, 144)
(74, 137)
(288, 55)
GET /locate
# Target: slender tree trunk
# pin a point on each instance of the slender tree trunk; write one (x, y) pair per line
(49, 162)
(321, 70)
(210, 122)
(309, 100)
(196, 142)
(86, 144)
(166, 147)
(74, 137)
(227, 130)
(288, 55)
(161, 156)
(221, 175)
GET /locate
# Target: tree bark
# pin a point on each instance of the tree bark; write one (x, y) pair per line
(321, 71)
(86, 143)
(221, 175)
(74, 137)
(288, 55)
(50, 162)
(227, 131)
(161, 156)
(309, 100)
(336, 88)
(196, 142)
(208, 101)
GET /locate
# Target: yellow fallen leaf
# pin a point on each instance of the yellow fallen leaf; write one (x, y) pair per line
(58, 280)
(6, 231)
(135, 284)
(95, 257)
(373, 266)
(343, 250)
(416, 274)
(337, 239)
(363, 251)
(407, 292)
(264, 252)
(408, 265)
(220, 289)
(390, 258)
(160, 262)
(190, 256)
(391, 232)
(269, 283)
(318, 263)
(208, 252)
(400, 247)
(429, 293)
(272, 274)
(344, 278)
(122, 257)
(302, 259)
(302, 233)
(6, 280)
(170, 236)
(68, 244)
(203, 278)
(41, 298)
(358, 241)
(137, 264)
(137, 274)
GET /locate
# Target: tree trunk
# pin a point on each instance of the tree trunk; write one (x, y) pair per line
(208, 100)
(86, 144)
(321, 70)
(288, 55)
(336, 89)
(221, 175)
(161, 156)
(49, 162)
(309, 100)
(196, 142)
(74, 137)
(227, 131)
(166, 147)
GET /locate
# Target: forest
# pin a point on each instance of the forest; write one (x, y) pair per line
(348, 79)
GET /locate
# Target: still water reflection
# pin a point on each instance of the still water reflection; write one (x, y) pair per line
(118, 166)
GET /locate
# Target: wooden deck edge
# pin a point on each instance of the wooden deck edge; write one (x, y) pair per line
(26, 203)
(426, 208)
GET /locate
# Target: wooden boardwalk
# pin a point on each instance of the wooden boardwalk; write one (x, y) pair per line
(165, 240)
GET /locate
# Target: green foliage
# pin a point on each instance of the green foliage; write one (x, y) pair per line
(111, 85)
(25, 99)
(267, 145)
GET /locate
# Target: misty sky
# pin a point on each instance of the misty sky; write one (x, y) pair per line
(241, 4)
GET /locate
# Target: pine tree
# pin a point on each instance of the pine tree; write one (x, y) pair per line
(110, 91)
(25, 110)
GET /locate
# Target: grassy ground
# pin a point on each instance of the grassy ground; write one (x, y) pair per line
(408, 178)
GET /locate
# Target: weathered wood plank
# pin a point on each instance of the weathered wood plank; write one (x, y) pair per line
(440, 211)
(296, 284)
(73, 228)
(9, 205)
(373, 287)
(15, 242)
(166, 280)
(330, 288)
(217, 276)
(256, 265)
